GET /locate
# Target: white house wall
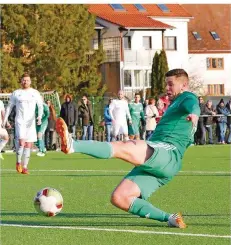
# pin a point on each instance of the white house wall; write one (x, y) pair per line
(178, 58)
(197, 67)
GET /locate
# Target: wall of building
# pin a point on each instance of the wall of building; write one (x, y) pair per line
(178, 58)
(198, 67)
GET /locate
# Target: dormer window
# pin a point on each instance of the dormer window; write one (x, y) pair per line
(215, 35)
(196, 35)
(117, 7)
(140, 7)
(163, 7)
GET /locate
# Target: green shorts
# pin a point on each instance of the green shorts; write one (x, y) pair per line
(42, 128)
(158, 170)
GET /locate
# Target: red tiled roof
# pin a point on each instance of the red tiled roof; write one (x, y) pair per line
(209, 17)
(134, 18)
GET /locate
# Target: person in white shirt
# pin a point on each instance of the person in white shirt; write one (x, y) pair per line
(25, 100)
(151, 113)
(4, 137)
(119, 113)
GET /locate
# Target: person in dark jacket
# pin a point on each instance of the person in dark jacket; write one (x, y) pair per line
(85, 112)
(228, 106)
(222, 121)
(201, 133)
(108, 121)
(208, 121)
(69, 113)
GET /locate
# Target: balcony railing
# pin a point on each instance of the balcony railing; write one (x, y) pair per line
(140, 57)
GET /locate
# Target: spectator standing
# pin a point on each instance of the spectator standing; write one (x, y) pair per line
(108, 121)
(137, 115)
(49, 133)
(119, 112)
(208, 121)
(228, 106)
(222, 121)
(151, 113)
(201, 132)
(85, 112)
(69, 113)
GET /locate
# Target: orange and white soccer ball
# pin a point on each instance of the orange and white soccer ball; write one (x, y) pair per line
(48, 202)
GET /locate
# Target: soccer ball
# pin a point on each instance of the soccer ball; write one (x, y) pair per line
(48, 202)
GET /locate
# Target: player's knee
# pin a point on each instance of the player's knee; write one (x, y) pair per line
(120, 200)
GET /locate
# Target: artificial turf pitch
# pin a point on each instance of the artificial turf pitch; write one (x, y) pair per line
(201, 191)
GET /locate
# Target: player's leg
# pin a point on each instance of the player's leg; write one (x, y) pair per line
(26, 157)
(40, 139)
(132, 193)
(135, 152)
(4, 137)
(30, 137)
(115, 131)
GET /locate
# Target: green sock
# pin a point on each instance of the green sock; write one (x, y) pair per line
(93, 148)
(145, 209)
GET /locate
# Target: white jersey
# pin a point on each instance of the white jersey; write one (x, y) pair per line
(119, 111)
(25, 101)
(2, 109)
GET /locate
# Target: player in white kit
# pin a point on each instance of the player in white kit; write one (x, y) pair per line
(119, 113)
(25, 100)
(4, 137)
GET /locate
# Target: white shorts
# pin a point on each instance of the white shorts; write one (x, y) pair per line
(25, 132)
(118, 129)
(3, 132)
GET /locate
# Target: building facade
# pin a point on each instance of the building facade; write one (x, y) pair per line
(209, 35)
(131, 35)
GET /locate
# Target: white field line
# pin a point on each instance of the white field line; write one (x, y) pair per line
(110, 171)
(116, 230)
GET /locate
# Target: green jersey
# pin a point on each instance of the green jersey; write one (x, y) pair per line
(46, 112)
(136, 111)
(173, 127)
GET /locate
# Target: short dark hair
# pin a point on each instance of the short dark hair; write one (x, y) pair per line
(137, 94)
(177, 73)
(26, 74)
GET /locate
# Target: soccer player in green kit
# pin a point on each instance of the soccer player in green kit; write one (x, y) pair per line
(137, 113)
(156, 161)
(40, 129)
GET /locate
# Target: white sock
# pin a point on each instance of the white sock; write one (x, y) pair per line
(19, 153)
(2, 144)
(26, 154)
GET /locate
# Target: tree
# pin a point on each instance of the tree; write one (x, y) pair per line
(159, 69)
(51, 42)
(196, 85)
(154, 74)
(163, 68)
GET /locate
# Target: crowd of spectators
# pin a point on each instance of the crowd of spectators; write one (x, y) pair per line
(135, 120)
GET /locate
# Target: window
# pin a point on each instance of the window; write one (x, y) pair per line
(140, 7)
(147, 42)
(147, 79)
(216, 89)
(196, 35)
(138, 78)
(127, 78)
(215, 63)
(215, 35)
(163, 7)
(118, 7)
(127, 42)
(170, 43)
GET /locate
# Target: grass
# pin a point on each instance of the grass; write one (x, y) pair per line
(201, 192)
